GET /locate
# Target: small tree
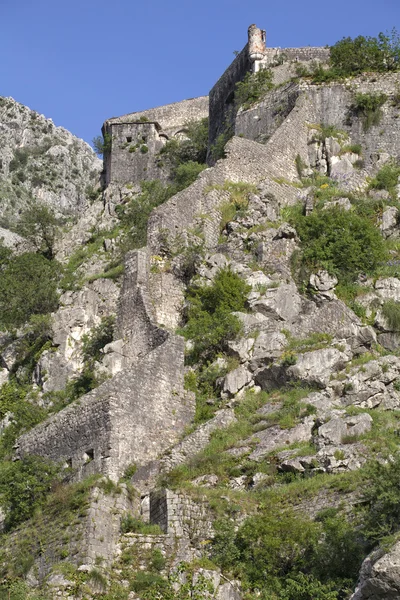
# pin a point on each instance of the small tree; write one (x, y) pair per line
(24, 486)
(352, 56)
(102, 143)
(28, 286)
(40, 226)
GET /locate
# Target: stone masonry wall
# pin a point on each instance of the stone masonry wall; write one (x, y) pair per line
(134, 151)
(179, 516)
(260, 122)
(93, 534)
(222, 109)
(131, 418)
(272, 55)
(136, 318)
(171, 117)
(329, 104)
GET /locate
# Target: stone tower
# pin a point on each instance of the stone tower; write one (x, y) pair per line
(256, 46)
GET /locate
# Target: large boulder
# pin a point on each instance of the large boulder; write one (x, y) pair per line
(316, 367)
(380, 576)
(340, 429)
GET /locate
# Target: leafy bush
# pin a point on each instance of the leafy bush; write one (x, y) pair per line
(102, 144)
(135, 215)
(368, 107)
(380, 509)
(353, 56)
(272, 545)
(290, 555)
(210, 320)
(39, 225)
(253, 87)
(343, 243)
(391, 312)
(217, 150)
(100, 336)
(24, 486)
(28, 286)
(129, 524)
(25, 414)
(193, 149)
(386, 178)
(35, 340)
(186, 173)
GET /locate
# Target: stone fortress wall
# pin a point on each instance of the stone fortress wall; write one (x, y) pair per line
(119, 422)
(138, 137)
(254, 56)
(142, 411)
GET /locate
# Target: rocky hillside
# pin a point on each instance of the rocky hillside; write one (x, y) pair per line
(40, 162)
(201, 376)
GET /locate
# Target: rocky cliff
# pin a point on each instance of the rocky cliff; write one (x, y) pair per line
(40, 162)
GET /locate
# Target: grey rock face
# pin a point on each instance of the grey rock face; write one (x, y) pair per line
(274, 437)
(390, 217)
(44, 161)
(12, 240)
(372, 385)
(236, 380)
(281, 303)
(338, 428)
(380, 576)
(79, 313)
(316, 367)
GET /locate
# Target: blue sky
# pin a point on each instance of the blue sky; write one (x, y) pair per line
(82, 61)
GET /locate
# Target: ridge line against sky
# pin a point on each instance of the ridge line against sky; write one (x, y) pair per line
(81, 62)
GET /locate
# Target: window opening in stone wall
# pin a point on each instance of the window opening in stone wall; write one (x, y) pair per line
(88, 456)
(129, 139)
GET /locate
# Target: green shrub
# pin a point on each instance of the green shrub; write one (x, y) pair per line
(35, 340)
(28, 286)
(186, 173)
(391, 312)
(353, 56)
(135, 215)
(130, 524)
(272, 545)
(39, 225)
(290, 555)
(386, 178)
(253, 87)
(343, 243)
(380, 508)
(217, 150)
(193, 149)
(100, 336)
(102, 144)
(368, 108)
(24, 486)
(210, 320)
